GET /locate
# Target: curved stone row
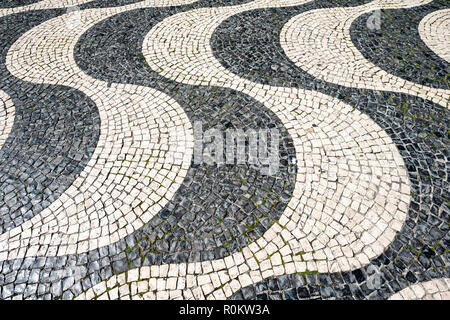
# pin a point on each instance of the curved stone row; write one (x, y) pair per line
(396, 46)
(319, 42)
(438, 289)
(433, 30)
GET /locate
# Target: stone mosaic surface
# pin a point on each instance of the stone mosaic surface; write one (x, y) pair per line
(101, 197)
(406, 54)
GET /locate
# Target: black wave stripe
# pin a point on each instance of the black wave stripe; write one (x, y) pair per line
(398, 48)
(220, 210)
(55, 132)
(253, 51)
(16, 3)
(224, 206)
(106, 3)
(248, 45)
(355, 285)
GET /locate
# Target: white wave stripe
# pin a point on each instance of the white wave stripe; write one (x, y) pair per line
(144, 150)
(351, 195)
(436, 289)
(319, 42)
(196, 65)
(434, 30)
(71, 4)
(7, 114)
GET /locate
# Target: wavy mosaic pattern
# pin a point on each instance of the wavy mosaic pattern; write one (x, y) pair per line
(337, 60)
(357, 209)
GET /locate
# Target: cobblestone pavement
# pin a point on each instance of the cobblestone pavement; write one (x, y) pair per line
(101, 196)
